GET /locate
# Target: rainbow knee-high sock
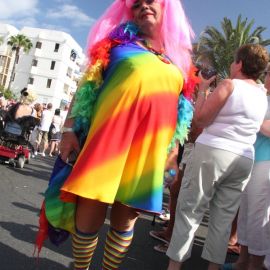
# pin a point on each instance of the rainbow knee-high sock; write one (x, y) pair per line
(116, 247)
(83, 246)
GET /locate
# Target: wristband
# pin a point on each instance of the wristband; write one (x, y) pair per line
(67, 129)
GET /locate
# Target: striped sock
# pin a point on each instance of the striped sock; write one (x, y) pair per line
(83, 246)
(116, 247)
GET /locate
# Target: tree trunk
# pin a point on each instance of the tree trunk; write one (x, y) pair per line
(13, 68)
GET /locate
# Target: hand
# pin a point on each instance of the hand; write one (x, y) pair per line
(69, 143)
(205, 83)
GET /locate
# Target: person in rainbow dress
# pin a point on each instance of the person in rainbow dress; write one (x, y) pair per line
(133, 104)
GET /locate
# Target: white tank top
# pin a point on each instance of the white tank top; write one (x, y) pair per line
(235, 127)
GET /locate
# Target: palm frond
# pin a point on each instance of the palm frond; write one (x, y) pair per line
(217, 47)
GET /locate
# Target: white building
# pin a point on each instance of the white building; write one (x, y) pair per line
(51, 68)
(6, 55)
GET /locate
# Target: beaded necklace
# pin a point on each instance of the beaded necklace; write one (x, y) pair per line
(159, 53)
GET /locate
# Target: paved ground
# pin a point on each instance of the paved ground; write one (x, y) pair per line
(21, 196)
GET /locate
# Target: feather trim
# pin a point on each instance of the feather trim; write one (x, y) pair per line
(185, 109)
(89, 89)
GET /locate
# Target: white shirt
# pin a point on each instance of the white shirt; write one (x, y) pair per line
(57, 122)
(63, 114)
(46, 120)
(235, 127)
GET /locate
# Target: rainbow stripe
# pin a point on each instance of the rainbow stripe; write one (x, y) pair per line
(116, 247)
(83, 247)
(134, 120)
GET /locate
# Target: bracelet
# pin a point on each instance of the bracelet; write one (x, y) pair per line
(67, 129)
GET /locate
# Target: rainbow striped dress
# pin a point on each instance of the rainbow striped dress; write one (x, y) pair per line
(135, 116)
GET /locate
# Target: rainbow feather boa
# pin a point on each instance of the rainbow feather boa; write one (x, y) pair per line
(89, 89)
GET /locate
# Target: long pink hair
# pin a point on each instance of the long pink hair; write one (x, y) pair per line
(176, 31)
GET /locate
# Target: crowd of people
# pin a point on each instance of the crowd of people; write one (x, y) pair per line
(46, 135)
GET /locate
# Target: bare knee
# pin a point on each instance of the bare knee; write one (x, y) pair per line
(123, 217)
(90, 215)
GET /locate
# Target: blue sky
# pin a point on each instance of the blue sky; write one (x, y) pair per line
(77, 16)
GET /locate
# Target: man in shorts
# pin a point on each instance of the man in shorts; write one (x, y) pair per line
(43, 130)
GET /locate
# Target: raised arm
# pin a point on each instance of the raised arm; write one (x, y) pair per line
(208, 105)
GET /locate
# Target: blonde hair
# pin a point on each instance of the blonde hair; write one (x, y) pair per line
(29, 98)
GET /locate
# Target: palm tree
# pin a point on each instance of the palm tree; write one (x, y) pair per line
(216, 48)
(17, 43)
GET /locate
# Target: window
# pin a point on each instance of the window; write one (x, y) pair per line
(34, 62)
(66, 87)
(31, 80)
(56, 47)
(52, 65)
(8, 62)
(69, 72)
(73, 55)
(49, 82)
(4, 80)
(7, 65)
(2, 60)
(38, 45)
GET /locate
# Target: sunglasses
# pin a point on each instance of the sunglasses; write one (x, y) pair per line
(137, 3)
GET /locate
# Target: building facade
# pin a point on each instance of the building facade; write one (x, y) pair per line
(52, 68)
(6, 56)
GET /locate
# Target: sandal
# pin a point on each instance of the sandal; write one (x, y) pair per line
(165, 215)
(159, 236)
(161, 248)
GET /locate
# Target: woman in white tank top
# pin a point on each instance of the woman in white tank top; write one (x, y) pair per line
(222, 157)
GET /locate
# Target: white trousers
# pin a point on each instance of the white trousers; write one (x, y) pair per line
(253, 228)
(214, 178)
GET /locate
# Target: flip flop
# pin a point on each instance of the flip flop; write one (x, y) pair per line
(157, 235)
(161, 247)
(165, 215)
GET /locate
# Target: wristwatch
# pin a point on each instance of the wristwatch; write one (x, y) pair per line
(67, 129)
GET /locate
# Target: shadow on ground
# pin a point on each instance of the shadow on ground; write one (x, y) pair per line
(12, 259)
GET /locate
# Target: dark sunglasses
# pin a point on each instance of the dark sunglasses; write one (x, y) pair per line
(137, 3)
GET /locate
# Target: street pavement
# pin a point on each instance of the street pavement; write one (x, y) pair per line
(21, 195)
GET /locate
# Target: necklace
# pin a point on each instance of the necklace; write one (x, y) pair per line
(159, 53)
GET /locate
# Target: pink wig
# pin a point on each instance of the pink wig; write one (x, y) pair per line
(176, 31)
